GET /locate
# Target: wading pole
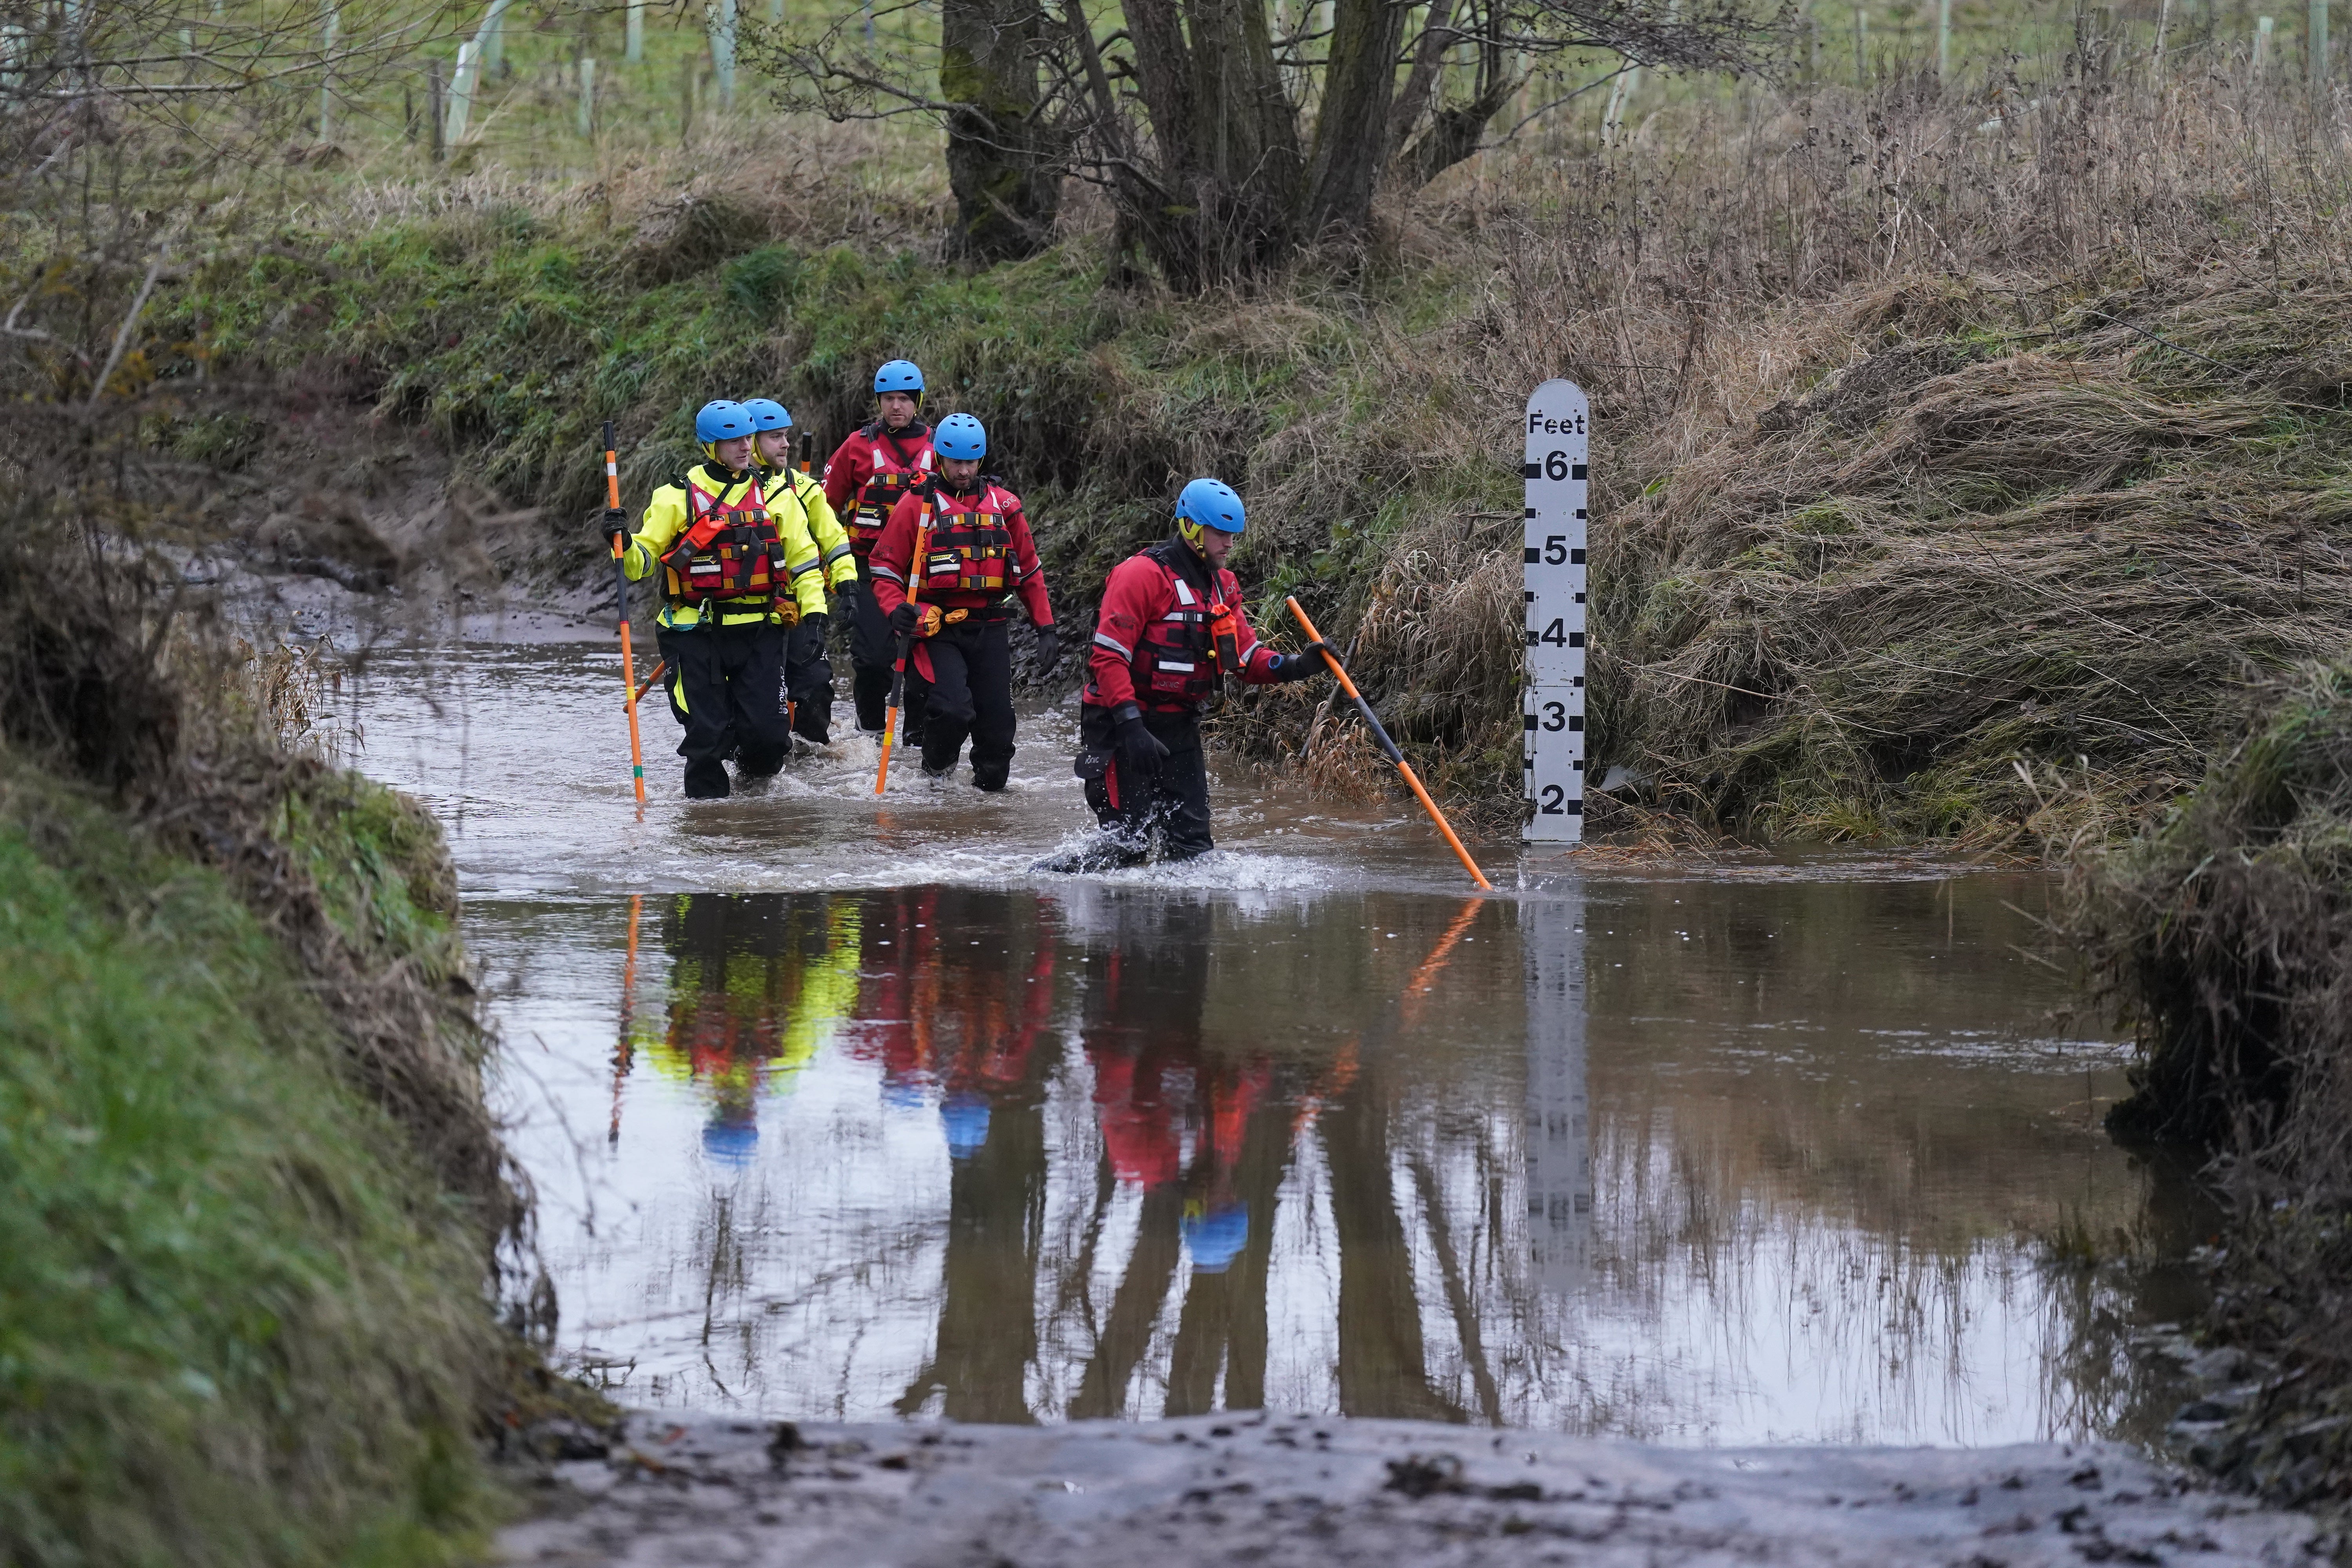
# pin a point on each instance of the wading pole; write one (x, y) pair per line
(1389, 747)
(808, 449)
(621, 580)
(1323, 708)
(624, 1051)
(905, 646)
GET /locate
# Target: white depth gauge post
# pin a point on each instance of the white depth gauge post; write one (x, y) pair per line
(1552, 715)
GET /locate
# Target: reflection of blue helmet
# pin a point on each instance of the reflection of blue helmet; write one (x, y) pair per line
(1208, 503)
(898, 375)
(731, 1142)
(1214, 1239)
(904, 1095)
(966, 1119)
(722, 421)
(961, 436)
(767, 414)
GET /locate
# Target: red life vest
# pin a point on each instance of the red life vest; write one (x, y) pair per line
(729, 553)
(970, 550)
(895, 469)
(1183, 656)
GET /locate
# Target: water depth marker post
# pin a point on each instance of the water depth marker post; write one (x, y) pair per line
(1552, 714)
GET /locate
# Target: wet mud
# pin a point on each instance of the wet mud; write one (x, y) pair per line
(1274, 1491)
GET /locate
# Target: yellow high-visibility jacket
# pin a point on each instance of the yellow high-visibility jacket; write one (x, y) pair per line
(789, 488)
(669, 514)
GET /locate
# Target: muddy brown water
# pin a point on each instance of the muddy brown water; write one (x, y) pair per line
(836, 1109)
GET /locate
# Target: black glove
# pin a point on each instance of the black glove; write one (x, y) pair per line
(905, 618)
(815, 623)
(841, 605)
(1049, 647)
(610, 521)
(1298, 666)
(1140, 750)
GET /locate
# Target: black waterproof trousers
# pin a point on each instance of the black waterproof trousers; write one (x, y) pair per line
(872, 651)
(727, 683)
(808, 683)
(1171, 803)
(970, 693)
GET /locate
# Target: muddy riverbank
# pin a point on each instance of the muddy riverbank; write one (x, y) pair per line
(1306, 1491)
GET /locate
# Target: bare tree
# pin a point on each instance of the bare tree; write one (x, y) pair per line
(1227, 139)
(145, 137)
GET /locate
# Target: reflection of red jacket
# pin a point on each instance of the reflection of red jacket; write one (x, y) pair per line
(1141, 605)
(1148, 1101)
(928, 1015)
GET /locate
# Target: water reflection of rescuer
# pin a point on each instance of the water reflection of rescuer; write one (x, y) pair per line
(1170, 628)
(730, 599)
(977, 558)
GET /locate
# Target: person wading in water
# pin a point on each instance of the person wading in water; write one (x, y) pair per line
(795, 498)
(867, 474)
(1170, 629)
(977, 558)
(727, 605)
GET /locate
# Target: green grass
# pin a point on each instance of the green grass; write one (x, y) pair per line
(239, 1322)
(513, 339)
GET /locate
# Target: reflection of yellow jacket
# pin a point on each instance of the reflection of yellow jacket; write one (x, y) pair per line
(741, 1014)
(789, 489)
(668, 514)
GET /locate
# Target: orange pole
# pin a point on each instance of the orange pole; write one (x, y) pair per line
(906, 647)
(624, 1052)
(647, 683)
(1389, 746)
(629, 689)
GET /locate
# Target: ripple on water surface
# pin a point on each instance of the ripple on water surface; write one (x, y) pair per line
(838, 1110)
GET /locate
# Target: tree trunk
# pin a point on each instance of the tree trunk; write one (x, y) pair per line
(1428, 64)
(1004, 168)
(1453, 134)
(1226, 136)
(1351, 133)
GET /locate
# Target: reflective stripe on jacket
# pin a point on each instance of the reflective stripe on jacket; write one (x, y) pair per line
(827, 561)
(1155, 636)
(868, 474)
(673, 510)
(1023, 578)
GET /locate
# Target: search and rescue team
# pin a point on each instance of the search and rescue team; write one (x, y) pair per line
(924, 556)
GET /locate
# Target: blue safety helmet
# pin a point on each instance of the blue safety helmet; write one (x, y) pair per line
(730, 1141)
(965, 1117)
(1215, 1238)
(898, 375)
(961, 436)
(721, 421)
(767, 414)
(1207, 504)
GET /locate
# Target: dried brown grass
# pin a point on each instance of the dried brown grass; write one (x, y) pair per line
(1949, 484)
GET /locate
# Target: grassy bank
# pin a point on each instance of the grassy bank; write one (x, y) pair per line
(2224, 935)
(254, 1205)
(1959, 454)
